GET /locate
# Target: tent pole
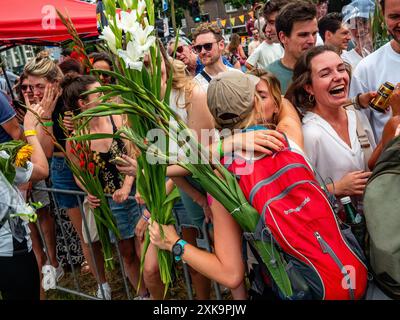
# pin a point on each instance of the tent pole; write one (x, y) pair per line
(6, 77)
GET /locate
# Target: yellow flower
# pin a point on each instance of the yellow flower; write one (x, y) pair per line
(23, 155)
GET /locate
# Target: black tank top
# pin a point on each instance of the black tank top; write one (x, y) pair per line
(111, 179)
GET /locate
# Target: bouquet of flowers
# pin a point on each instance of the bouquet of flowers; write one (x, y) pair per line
(129, 38)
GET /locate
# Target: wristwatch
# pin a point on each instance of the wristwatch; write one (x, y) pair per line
(178, 248)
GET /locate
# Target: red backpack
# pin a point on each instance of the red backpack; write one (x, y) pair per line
(296, 214)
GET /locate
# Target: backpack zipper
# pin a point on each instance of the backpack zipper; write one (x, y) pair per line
(328, 250)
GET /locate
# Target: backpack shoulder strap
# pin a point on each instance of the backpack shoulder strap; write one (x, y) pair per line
(205, 75)
(362, 137)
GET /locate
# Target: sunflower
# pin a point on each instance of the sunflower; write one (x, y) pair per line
(23, 155)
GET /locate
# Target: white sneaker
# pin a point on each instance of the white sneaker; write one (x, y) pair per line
(107, 291)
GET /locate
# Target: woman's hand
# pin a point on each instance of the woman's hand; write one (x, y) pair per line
(170, 235)
(93, 201)
(265, 141)
(129, 170)
(51, 94)
(121, 195)
(67, 121)
(142, 225)
(30, 119)
(352, 183)
(365, 98)
(139, 199)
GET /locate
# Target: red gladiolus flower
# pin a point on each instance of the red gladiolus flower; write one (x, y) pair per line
(81, 156)
(82, 163)
(91, 168)
(78, 146)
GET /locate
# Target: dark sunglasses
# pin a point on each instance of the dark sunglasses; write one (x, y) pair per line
(179, 49)
(25, 87)
(206, 46)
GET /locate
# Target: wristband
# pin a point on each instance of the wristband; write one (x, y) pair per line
(219, 149)
(48, 124)
(29, 133)
(145, 218)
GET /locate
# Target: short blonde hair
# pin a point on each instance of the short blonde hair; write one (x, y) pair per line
(43, 66)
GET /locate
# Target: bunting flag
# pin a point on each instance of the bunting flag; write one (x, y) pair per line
(241, 18)
(223, 22)
(251, 14)
(232, 20)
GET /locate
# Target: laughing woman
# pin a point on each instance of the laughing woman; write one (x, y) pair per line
(320, 89)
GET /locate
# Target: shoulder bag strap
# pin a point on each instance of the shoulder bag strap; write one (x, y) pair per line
(362, 137)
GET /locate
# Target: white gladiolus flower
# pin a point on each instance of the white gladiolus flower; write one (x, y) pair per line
(143, 39)
(109, 37)
(141, 7)
(128, 21)
(129, 3)
(132, 56)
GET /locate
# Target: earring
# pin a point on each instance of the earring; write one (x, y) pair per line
(311, 98)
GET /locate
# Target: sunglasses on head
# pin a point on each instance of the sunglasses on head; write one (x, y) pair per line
(206, 46)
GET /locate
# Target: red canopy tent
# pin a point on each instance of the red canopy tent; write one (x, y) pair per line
(37, 22)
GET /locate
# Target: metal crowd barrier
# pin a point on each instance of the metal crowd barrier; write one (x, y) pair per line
(203, 242)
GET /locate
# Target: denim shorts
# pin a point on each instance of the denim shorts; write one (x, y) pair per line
(126, 215)
(194, 212)
(62, 178)
(181, 216)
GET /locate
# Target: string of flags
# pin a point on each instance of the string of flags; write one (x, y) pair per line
(232, 20)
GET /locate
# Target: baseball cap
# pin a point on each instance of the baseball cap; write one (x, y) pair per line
(230, 97)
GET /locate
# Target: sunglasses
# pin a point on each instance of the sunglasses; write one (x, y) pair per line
(206, 46)
(179, 49)
(25, 87)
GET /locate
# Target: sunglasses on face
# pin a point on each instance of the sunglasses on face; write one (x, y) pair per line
(179, 49)
(25, 87)
(206, 46)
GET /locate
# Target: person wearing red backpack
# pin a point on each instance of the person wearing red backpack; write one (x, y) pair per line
(296, 216)
(251, 107)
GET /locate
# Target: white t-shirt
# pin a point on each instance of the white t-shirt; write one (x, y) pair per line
(351, 57)
(327, 152)
(203, 83)
(265, 54)
(319, 41)
(253, 46)
(372, 71)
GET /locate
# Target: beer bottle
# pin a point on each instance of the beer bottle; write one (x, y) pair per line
(352, 216)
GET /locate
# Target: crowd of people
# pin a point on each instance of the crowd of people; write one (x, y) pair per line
(306, 85)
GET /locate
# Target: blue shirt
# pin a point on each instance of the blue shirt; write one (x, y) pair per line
(6, 114)
(200, 66)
